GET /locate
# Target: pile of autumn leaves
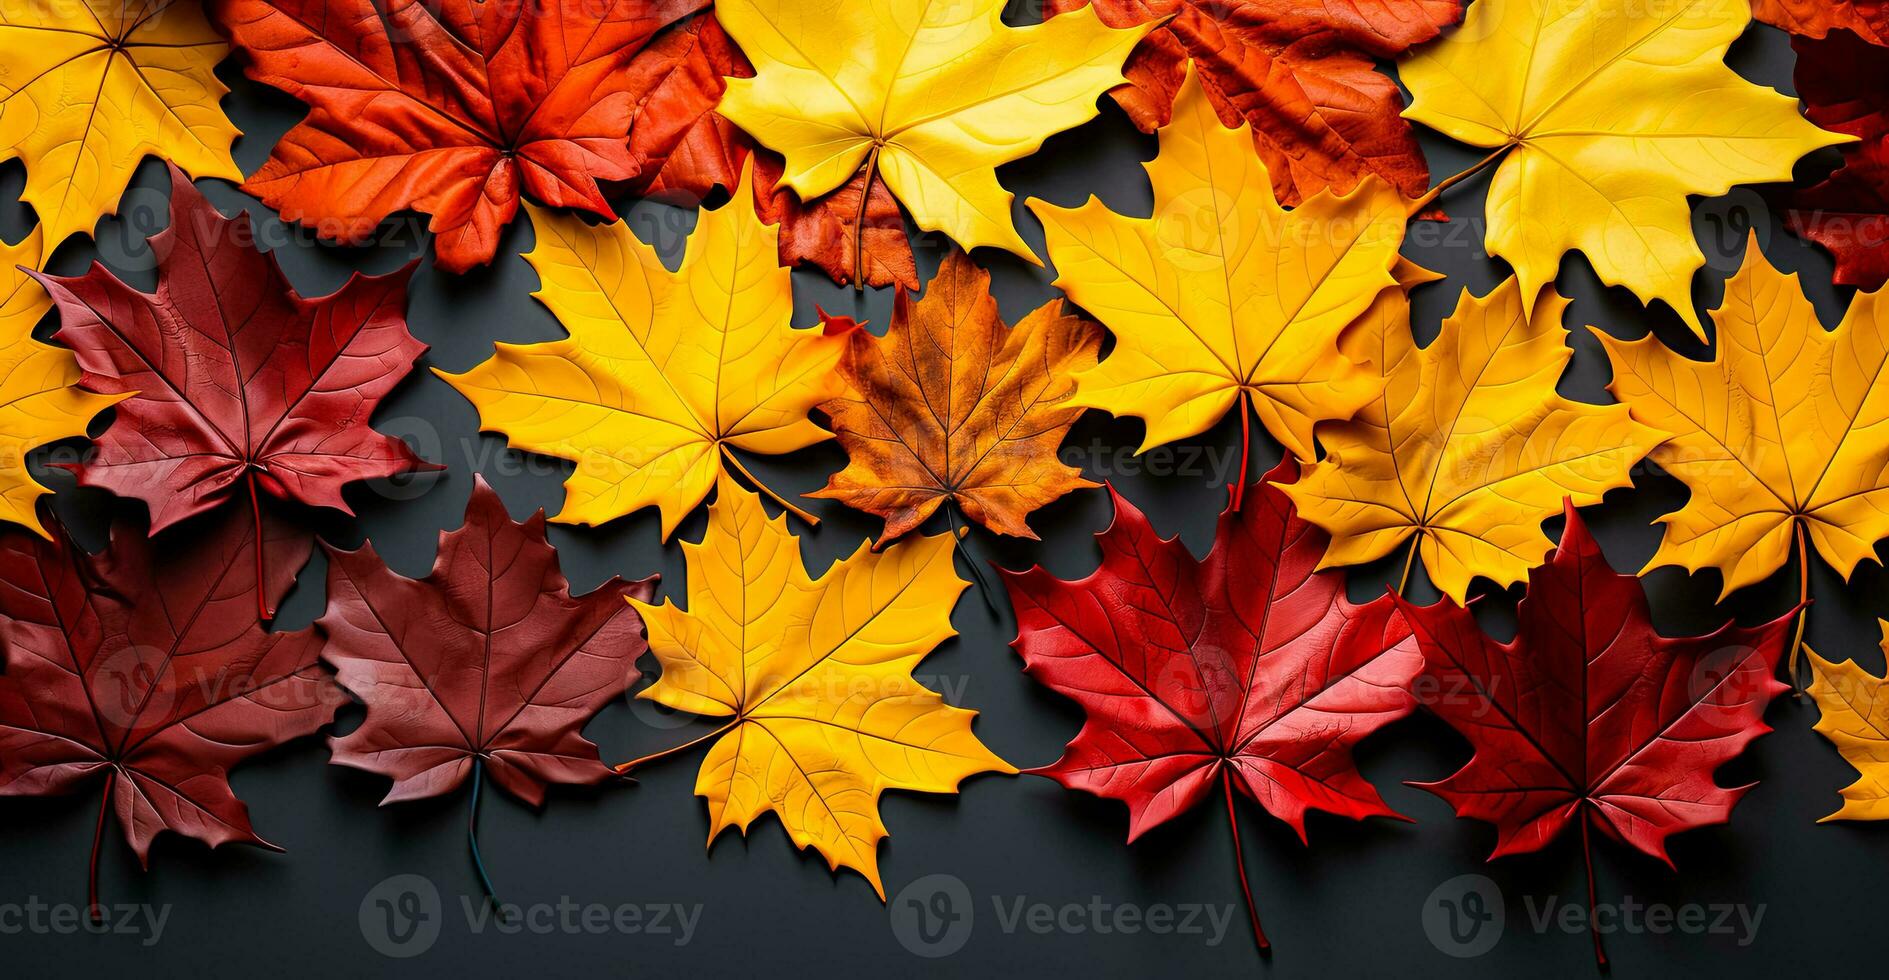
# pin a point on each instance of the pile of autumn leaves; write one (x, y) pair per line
(1267, 281)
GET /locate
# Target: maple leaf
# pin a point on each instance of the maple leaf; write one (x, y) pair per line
(1303, 74)
(1589, 716)
(146, 667)
(1222, 297)
(1469, 447)
(664, 374)
(1250, 669)
(454, 109)
(89, 89)
(1588, 107)
(710, 152)
(487, 665)
(1817, 18)
(931, 97)
(815, 679)
(1853, 714)
(1780, 436)
(40, 401)
(232, 378)
(1844, 83)
(953, 407)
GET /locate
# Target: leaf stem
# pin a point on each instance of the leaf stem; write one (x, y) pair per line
(1423, 203)
(859, 220)
(1239, 862)
(263, 611)
(1803, 607)
(691, 743)
(472, 838)
(1246, 446)
(92, 908)
(762, 487)
(1587, 857)
(1410, 561)
(957, 540)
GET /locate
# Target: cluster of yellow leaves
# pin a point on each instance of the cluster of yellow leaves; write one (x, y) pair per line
(815, 677)
(664, 374)
(88, 88)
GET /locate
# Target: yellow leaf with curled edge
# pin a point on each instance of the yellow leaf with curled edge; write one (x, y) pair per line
(40, 401)
(1469, 448)
(1221, 296)
(1853, 713)
(815, 679)
(664, 374)
(1783, 434)
(1606, 114)
(931, 95)
(89, 88)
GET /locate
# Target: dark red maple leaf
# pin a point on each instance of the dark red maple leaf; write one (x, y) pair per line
(1303, 72)
(696, 61)
(453, 108)
(146, 667)
(1249, 669)
(487, 664)
(1589, 716)
(1817, 18)
(1844, 82)
(238, 380)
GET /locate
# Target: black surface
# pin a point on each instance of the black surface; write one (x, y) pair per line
(1351, 903)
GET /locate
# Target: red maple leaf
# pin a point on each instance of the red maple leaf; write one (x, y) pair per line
(1303, 72)
(1817, 18)
(235, 380)
(452, 108)
(1844, 82)
(709, 153)
(488, 664)
(1589, 716)
(147, 668)
(1249, 669)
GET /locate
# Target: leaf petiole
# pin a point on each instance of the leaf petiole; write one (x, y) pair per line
(472, 838)
(957, 541)
(626, 767)
(1239, 862)
(92, 907)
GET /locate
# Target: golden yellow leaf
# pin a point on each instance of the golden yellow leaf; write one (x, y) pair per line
(931, 95)
(1853, 707)
(88, 88)
(1469, 447)
(951, 406)
(1786, 429)
(39, 398)
(1222, 296)
(664, 373)
(815, 679)
(1607, 113)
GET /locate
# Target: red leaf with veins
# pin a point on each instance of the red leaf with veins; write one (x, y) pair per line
(710, 151)
(1303, 72)
(1250, 670)
(1844, 83)
(242, 386)
(487, 665)
(146, 669)
(452, 108)
(1817, 18)
(1589, 717)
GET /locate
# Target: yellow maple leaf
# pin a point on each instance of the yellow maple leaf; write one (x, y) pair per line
(1606, 115)
(40, 401)
(1853, 708)
(664, 373)
(931, 95)
(815, 679)
(1782, 437)
(88, 88)
(1468, 447)
(1221, 296)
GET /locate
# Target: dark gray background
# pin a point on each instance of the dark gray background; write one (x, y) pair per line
(1353, 902)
